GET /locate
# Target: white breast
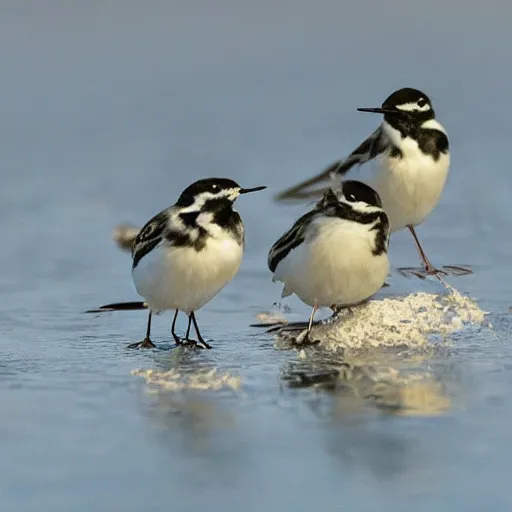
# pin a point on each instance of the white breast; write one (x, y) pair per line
(334, 266)
(182, 278)
(410, 187)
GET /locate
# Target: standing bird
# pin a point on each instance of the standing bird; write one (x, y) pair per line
(336, 254)
(187, 253)
(411, 149)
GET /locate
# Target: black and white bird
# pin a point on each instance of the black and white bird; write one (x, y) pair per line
(186, 254)
(336, 255)
(411, 150)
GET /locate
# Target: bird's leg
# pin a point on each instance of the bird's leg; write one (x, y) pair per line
(429, 268)
(146, 342)
(196, 327)
(188, 327)
(311, 317)
(188, 342)
(173, 329)
(306, 340)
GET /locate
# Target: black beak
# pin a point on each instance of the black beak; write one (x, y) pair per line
(254, 189)
(378, 110)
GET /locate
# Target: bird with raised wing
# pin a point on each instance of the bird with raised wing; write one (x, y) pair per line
(411, 150)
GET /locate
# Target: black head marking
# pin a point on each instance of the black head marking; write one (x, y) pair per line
(356, 191)
(333, 205)
(406, 96)
(405, 110)
(212, 185)
(223, 215)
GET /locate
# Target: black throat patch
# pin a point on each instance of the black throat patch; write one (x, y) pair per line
(431, 141)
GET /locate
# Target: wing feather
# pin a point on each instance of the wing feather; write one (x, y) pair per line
(150, 236)
(290, 240)
(374, 145)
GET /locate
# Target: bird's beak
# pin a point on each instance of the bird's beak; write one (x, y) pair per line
(254, 189)
(378, 110)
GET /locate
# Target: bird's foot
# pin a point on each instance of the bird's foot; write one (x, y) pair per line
(145, 343)
(193, 344)
(285, 328)
(205, 345)
(458, 270)
(429, 270)
(304, 339)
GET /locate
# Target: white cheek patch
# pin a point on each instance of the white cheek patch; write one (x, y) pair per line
(361, 206)
(198, 202)
(411, 107)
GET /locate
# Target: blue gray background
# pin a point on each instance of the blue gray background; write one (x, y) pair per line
(108, 109)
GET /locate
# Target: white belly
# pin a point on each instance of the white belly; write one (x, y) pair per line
(410, 187)
(335, 267)
(182, 278)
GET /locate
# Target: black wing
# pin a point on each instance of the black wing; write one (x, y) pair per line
(375, 144)
(150, 236)
(290, 240)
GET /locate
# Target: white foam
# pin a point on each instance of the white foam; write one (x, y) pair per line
(173, 380)
(409, 321)
(398, 380)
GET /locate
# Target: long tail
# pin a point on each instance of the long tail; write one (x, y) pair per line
(124, 235)
(119, 306)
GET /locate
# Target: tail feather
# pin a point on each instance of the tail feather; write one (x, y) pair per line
(119, 306)
(124, 235)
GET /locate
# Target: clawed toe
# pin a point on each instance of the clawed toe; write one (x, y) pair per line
(193, 344)
(145, 343)
(421, 273)
(446, 270)
(458, 270)
(304, 339)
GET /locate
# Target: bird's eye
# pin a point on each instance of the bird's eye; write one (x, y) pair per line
(214, 187)
(422, 102)
(351, 197)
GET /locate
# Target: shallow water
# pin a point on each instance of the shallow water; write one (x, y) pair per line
(108, 111)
